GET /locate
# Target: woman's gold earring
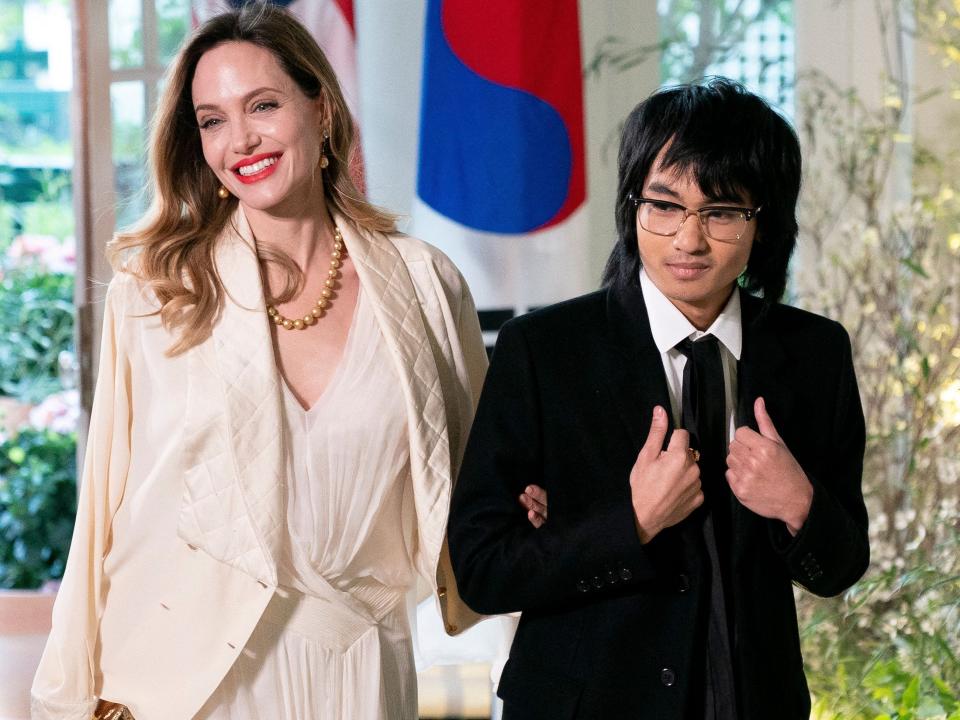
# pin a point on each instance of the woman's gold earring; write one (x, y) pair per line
(324, 160)
(223, 193)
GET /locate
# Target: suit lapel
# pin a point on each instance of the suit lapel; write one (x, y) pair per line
(762, 372)
(632, 366)
(234, 504)
(385, 277)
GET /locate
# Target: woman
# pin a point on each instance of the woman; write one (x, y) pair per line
(284, 391)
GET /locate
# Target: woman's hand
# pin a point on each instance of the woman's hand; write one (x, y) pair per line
(107, 710)
(534, 499)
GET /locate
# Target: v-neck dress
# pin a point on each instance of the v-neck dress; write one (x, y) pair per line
(334, 642)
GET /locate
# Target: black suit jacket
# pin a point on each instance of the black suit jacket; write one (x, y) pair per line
(608, 628)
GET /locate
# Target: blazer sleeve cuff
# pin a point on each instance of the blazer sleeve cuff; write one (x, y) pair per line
(825, 552)
(818, 520)
(624, 560)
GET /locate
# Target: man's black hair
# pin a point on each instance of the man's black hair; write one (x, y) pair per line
(734, 144)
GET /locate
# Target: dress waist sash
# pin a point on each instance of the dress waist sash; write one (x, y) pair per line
(336, 619)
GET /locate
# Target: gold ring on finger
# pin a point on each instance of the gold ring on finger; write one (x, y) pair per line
(695, 454)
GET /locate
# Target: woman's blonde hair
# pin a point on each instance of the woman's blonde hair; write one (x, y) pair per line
(175, 242)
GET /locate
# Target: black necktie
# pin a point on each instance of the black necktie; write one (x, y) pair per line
(704, 417)
(704, 408)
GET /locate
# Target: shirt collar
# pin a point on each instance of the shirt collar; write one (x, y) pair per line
(669, 326)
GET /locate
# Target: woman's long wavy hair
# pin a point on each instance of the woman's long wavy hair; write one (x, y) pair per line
(172, 249)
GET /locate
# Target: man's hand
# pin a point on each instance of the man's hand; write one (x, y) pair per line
(665, 485)
(534, 499)
(764, 475)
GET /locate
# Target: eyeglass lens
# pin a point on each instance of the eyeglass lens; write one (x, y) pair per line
(717, 223)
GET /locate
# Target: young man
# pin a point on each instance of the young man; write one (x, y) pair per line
(701, 445)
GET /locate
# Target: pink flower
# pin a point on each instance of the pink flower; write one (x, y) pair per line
(59, 412)
(45, 251)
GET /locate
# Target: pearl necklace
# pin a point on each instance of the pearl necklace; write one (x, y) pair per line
(322, 305)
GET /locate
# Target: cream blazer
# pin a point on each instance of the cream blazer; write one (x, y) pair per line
(181, 510)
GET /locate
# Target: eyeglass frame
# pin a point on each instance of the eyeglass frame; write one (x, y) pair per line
(748, 215)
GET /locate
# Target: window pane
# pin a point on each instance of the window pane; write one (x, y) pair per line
(129, 157)
(126, 34)
(39, 402)
(36, 157)
(747, 40)
(173, 23)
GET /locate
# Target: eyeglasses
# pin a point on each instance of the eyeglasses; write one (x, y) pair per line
(718, 222)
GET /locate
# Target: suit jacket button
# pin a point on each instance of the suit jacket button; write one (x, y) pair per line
(625, 573)
(597, 582)
(583, 586)
(612, 578)
(683, 583)
(668, 677)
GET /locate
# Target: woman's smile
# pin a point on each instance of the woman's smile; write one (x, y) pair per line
(256, 168)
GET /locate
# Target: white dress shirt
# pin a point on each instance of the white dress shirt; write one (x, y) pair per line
(669, 326)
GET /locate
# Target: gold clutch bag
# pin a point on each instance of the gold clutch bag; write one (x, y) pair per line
(107, 710)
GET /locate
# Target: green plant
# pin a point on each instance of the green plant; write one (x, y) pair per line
(7, 213)
(887, 649)
(36, 323)
(37, 506)
(48, 217)
(882, 211)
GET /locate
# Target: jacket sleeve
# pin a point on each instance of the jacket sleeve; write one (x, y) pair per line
(471, 367)
(65, 684)
(466, 365)
(502, 563)
(831, 551)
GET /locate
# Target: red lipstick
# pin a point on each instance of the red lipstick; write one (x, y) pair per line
(266, 171)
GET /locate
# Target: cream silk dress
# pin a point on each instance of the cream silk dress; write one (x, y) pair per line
(334, 642)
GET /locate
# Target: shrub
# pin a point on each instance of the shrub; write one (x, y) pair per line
(36, 324)
(37, 506)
